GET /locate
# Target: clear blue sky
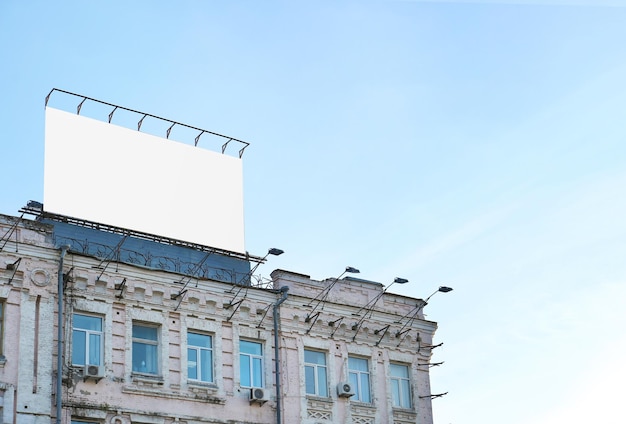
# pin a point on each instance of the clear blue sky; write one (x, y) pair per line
(477, 144)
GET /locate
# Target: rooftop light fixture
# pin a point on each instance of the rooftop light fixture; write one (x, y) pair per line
(434, 396)
(5, 238)
(404, 330)
(246, 278)
(332, 324)
(273, 251)
(193, 273)
(370, 305)
(321, 297)
(13, 267)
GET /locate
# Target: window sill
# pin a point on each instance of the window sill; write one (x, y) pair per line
(169, 394)
(196, 384)
(147, 379)
(318, 398)
(247, 389)
(400, 414)
(402, 409)
(362, 404)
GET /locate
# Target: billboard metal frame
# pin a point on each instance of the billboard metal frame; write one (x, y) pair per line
(146, 115)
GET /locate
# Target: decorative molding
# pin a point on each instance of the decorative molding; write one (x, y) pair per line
(40, 277)
(119, 419)
(320, 409)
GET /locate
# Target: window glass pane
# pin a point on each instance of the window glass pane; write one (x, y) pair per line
(399, 371)
(147, 333)
(258, 372)
(244, 371)
(206, 362)
(94, 349)
(309, 378)
(405, 401)
(365, 388)
(201, 340)
(250, 347)
(313, 357)
(354, 382)
(357, 364)
(78, 347)
(321, 381)
(144, 358)
(395, 392)
(87, 322)
(151, 359)
(192, 363)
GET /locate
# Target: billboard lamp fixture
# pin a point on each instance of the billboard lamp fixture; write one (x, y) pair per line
(332, 324)
(169, 130)
(85, 98)
(321, 297)
(111, 114)
(434, 396)
(197, 139)
(141, 122)
(14, 265)
(80, 105)
(272, 251)
(370, 305)
(402, 332)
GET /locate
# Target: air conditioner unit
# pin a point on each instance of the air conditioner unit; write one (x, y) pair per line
(259, 395)
(93, 371)
(345, 390)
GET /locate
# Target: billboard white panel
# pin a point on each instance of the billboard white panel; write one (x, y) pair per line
(112, 175)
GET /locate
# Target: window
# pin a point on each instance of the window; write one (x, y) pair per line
(145, 349)
(250, 364)
(359, 376)
(86, 340)
(315, 373)
(400, 386)
(199, 357)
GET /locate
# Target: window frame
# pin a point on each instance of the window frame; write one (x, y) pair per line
(147, 342)
(250, 364)
(356, 376)
(88, 333)
(403, 385)
(317, 368)
(199, 362)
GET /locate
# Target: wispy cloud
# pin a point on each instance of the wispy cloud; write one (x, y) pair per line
(465, 233)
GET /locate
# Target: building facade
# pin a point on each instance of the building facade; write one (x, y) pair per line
(155, 331)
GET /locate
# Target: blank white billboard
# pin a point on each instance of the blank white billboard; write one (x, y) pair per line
(112, 175)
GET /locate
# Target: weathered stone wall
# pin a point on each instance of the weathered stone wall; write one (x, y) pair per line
(122, 294)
